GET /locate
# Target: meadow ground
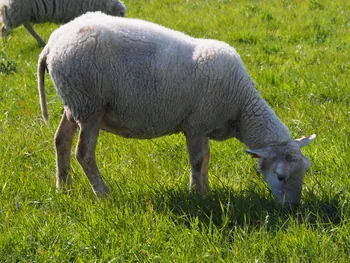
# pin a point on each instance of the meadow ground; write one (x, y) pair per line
(297, 52)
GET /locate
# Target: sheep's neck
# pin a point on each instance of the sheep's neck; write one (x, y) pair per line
(260, 127)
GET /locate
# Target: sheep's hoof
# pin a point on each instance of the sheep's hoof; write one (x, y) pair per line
(64, 190)
(102, 191)
(202, 191)
(3, 32)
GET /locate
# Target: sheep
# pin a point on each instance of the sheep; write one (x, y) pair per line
(14, 13)
(140, 80)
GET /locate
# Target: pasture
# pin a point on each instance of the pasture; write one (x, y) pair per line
(296, 51)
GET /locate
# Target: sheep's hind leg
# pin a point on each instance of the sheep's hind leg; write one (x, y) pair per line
(31, 30)
(198, 151)
(85, 153)
(63, 142)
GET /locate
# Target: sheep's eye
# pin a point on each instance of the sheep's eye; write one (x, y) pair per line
(288, 157)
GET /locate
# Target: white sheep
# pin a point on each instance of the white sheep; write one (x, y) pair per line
(140, 80)
(14, 13)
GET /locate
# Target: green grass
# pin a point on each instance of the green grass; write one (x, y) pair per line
(298, 54)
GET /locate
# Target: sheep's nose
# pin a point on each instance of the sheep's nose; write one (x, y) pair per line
(289, 206)
(280, 177)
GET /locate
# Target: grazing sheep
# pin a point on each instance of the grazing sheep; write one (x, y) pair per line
(14, 13)
(140, 80)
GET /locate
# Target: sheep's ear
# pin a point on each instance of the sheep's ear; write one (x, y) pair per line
(260, 153)
(119, 7)
(305, 140)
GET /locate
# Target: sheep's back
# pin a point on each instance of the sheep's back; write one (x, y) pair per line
(61, 11)
(145, 73)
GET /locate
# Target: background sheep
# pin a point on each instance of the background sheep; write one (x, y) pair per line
(14, 13)
(141, 80)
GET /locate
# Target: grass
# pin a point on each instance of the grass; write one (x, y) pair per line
(298, 54)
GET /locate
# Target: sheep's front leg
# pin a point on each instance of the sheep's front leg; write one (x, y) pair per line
(63, 142)
(198, 151)
(85, 153)
(31, 30)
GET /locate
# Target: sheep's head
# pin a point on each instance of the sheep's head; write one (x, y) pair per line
(283, 167)
(117, 8)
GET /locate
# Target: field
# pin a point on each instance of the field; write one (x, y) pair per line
(296, 51)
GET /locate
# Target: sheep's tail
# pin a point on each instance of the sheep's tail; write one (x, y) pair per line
(41, 83)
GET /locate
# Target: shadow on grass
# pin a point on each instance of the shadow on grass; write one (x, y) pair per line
(224, 208)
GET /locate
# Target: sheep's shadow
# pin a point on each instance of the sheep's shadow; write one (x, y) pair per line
(223, 208)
